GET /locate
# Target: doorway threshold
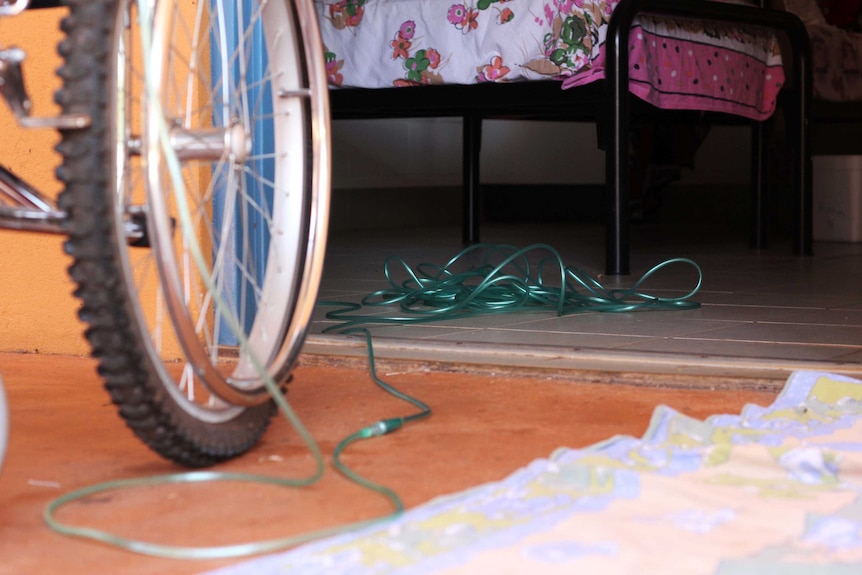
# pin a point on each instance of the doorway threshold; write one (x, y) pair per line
(666, 370)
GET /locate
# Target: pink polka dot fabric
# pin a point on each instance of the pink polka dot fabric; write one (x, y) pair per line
(691, 65)
(680, 74)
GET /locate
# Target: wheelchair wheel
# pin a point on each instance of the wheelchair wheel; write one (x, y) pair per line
(197, 204)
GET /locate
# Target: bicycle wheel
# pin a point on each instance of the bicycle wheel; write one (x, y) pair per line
(198, 253)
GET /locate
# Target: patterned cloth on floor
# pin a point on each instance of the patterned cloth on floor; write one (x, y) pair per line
(775, 490)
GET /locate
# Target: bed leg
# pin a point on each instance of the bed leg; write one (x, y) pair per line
(472, 147)
(799, 108)
(617, 149)
(800, 140)
(759, 186)
(617, 195)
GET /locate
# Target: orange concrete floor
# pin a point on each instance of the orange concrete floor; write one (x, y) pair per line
(65, 434)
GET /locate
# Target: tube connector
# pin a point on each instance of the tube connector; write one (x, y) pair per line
(382, 427)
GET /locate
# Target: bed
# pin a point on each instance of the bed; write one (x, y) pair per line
(560, 58)
(836, 44)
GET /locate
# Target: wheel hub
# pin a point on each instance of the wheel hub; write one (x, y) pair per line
(233, 142)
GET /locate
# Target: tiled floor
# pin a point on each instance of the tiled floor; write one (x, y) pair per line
(763, 313)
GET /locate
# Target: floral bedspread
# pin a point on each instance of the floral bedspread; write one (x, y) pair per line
(676, 64)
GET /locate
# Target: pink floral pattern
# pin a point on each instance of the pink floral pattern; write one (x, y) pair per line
(333, 67)
(420, 66)
(346, 13)
(493, 72)
(463, 17)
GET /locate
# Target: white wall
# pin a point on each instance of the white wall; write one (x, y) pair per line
(396, 153)
(427, 152)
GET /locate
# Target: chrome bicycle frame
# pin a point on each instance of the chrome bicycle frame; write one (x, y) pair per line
(22, 207)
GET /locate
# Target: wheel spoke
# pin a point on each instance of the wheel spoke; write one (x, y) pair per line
(219, 117)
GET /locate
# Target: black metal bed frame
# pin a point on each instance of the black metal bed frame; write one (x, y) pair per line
(609, 104)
